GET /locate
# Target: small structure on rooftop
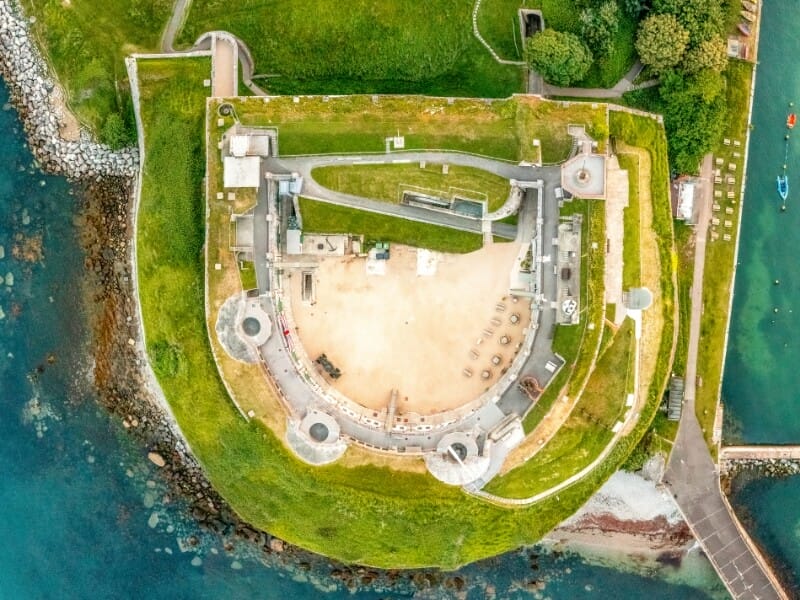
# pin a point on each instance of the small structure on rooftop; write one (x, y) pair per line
(241, 172)
(682, 192)
(675, 402)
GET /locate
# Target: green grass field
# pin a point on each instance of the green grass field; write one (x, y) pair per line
(587, 430)
(631, 258)
(387, 182)
(719, 260)
(502, 129)
(684, 242)
(321, 217)
(353, 124)
(330, 47)
(86, 43)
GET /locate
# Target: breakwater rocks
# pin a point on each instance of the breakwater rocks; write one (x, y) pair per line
(769, 467)
(37, 99)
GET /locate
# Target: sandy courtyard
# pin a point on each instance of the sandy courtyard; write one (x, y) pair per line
(416, 334)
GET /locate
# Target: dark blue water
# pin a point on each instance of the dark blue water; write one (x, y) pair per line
(84, 514)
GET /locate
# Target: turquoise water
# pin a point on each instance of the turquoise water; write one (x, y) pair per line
(768, 507)
(84, 514)
(760, 392)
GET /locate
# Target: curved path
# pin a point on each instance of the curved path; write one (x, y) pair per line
(304, 165)
(180, 11)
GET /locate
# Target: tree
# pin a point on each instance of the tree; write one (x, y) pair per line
(661, 42)
(702, 19)
(560, 58)
(709, 54)
(694, 115)
(599, 25)
(114, 133)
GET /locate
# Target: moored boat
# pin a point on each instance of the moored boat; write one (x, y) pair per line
(783, 187)
(744, 28)
(748, 16)
(791, 120)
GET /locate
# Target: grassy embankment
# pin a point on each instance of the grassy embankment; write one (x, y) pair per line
(387, 182)
(86, 43)
(499, 25)
(365, 514)
(631, 245)
(321, 217)
(577, 344)
(587, 430)
(645, 133)
(331, 47)
(718, 271)
(501, 129)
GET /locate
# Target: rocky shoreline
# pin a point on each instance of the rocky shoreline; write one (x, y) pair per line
(38, 101)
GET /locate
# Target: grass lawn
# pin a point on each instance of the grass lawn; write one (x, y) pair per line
(326, 46)
(501, 129)
(548, 121)
(684, 243)
(358, 124)
(247, 273)
(631, 259)
(86, 42)
(321, 217)
(577, 344)
(499, 25)
(587, 429)
(717, 276)
(366, 514)
(387, 182)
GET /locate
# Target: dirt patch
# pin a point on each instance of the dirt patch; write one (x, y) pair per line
(69, 128)
(413, 333)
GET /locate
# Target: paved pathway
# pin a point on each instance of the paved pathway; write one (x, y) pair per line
(304, 165)
(176, 20)
(692, 475)
(623, 85)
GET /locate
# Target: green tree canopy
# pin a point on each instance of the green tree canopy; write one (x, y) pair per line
(560, 58)
(599, 25)
(661, 42)
(702, 19)
(694, 115)
(708, 54)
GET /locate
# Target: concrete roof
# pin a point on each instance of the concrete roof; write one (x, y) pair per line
(241, 172)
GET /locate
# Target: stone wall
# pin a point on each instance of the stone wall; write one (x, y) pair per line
(35, 96)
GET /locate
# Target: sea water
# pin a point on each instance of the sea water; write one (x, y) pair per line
(760, 390)
(84, 514)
